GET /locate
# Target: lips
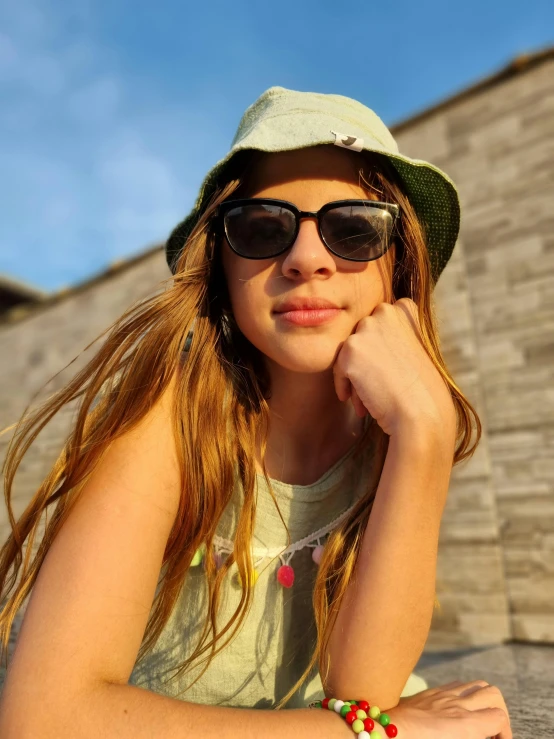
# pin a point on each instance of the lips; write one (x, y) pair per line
(308, 317)
(304, 304)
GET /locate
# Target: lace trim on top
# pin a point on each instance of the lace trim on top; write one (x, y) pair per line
(259, 554)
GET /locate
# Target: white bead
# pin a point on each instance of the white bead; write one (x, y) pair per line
(363, 735)
(337, 706)
(317, 554)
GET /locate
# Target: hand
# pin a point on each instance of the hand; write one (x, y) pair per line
(384, 368)
(474, 710)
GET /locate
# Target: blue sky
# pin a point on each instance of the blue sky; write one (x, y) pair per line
(112, 112)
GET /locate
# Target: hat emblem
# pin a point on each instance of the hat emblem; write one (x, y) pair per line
(347, 141)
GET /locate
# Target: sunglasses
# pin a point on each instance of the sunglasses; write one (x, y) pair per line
(262, 228)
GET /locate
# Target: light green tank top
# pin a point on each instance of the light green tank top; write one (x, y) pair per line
(275, 642)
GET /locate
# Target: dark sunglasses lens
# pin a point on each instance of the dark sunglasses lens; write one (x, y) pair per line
(357, 231)
(259, 231)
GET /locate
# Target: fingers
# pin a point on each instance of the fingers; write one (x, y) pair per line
(359, 407)
(493, 721)
(410, 310)
(472, 687)
(490, 696)
(455, 684)
(480, 704)
(345, 389)
(343, 386)
(460, 688)
(488, 702)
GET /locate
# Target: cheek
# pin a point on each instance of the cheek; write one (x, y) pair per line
(247, 300)
(233, 271)
(246, 286)
(252, 314)
(370, 288)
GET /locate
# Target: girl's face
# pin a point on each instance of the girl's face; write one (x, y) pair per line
(309, 178)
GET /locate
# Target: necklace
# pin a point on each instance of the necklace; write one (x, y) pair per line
(285, 573)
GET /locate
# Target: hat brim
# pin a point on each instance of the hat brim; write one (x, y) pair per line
(431, 192)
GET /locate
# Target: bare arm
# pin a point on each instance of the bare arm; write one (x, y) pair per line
(89, 608)
(110, 711)
(384, 619)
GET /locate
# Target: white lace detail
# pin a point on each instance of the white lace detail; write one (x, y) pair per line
(259, 554)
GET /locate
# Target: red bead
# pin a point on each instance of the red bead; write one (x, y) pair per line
(391, 730)
(285, 575)
(350, 717)
(325, 702)
(364, 705)
(369, 724)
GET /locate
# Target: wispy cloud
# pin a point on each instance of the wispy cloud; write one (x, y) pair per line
(83, 182)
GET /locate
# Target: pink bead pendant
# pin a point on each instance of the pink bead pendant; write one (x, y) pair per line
(317, 554)
(285, 575)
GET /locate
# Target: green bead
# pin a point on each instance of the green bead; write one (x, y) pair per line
(374, 712)
(361, 714)
(198, 556)
(357, 726)
(344, 710)
(331, 703)
(347, 703)
(318, 704)
(375, 735)
(384, 719)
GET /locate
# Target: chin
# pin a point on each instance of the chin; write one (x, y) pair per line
(304, 356)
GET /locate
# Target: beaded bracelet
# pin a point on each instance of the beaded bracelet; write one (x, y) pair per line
(360, 716)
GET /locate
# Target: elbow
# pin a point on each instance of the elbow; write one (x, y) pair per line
(376, 694)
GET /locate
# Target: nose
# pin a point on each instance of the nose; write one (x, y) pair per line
(308, 255)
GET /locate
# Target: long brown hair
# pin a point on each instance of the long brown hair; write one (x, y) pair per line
(220, 413)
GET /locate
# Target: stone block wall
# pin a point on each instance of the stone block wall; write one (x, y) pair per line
(37, 347)
(496, 304)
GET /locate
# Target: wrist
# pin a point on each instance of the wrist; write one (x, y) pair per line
(425, 434)
(428, 457)
(362, 719)
(330, 724)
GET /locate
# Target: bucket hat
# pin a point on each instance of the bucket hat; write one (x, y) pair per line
(282, 119)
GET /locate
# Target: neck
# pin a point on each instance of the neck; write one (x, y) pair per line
(310, 429)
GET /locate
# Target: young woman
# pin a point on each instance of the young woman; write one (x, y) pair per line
(246, 514)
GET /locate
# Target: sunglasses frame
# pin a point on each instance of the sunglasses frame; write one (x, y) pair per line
(222, 208)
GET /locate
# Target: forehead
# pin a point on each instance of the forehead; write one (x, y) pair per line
(317, 167)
